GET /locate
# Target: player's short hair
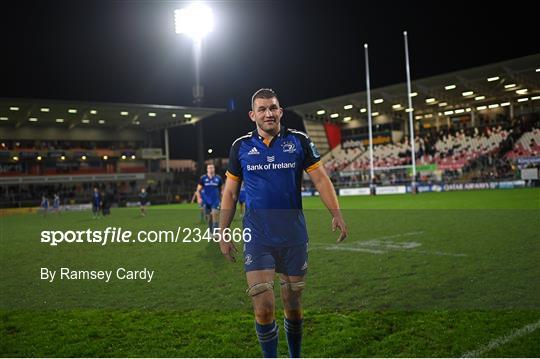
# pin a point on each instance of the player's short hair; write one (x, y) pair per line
(263, 93)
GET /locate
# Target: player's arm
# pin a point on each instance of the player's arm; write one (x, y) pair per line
(328, 196)
(228, 208)
(198, 192)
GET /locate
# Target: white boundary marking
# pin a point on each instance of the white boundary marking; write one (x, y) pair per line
(495, 343)
(381, 245)
(342, 248)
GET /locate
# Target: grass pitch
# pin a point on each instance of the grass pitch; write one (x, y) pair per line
(432, 275)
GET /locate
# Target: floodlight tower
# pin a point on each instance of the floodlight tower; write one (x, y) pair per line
(196, 21)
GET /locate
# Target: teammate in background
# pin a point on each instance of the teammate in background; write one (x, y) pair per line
(242, 199)
(199, 200)
(44, 205)
(56, 203)
(270, 162)
(143, 201)
(96, 203)
(106, 202)
(211, 184)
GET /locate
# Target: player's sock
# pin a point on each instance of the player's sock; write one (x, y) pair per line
(268, 338)
(293, 329)
(215, 225)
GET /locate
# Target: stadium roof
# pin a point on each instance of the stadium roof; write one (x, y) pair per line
(16, 112)
(487, 85)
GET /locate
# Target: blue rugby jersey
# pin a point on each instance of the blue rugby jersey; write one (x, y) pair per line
(211, 187)
(272, 177)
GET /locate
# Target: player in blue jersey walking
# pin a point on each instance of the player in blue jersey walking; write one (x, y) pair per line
(211, 184)
(270, 161)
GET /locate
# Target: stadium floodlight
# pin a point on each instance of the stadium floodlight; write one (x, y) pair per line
(495, 105)
(101, 122)
(523, 99)
(430, 100)
(59, 120)
(44, 109)
(93, 112)
(413, 94)
(72, 110)
(362, 110)
(494, 78)
(33, 119)
(443, 104)
(378, 100)
(321, 112)
(188, 115)
(504, 104)
(133, 157)
(3, 118)
(450, 87)
(196, 20)
(522, 91)
(534, 98)
(14, 108)
(334, 115)
(38, 158)
(347, 107)
(210, 150)
(478, 98)
(509, 86)
(467, 93)
(347, 119)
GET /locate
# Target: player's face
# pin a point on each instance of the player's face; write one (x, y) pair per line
(210, 170)
(267, 114)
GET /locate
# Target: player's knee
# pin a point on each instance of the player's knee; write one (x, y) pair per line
(264, 312)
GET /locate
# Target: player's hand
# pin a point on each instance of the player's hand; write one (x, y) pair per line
(228, 250)
(339, 223)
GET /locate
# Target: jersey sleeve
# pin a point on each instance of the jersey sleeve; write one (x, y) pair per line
(312, 158)
(234, 170)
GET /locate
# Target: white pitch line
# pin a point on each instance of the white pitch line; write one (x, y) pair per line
(354, 249)
(495, 343)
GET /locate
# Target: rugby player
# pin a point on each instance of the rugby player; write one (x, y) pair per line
(270, 161)
(211, 184)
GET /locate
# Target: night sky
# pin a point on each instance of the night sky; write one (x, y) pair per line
(127, 51)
